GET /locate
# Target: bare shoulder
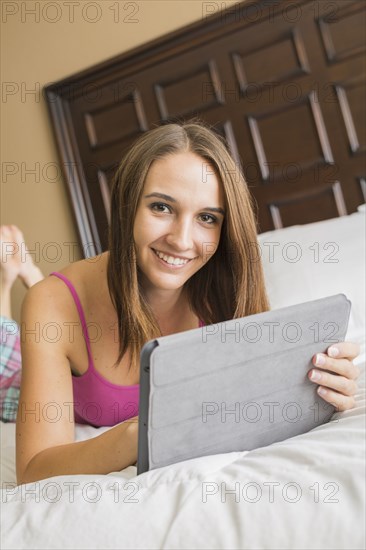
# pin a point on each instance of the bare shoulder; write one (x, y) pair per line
(87, 272)
(85, 275)
(48, 293)
(50, 300)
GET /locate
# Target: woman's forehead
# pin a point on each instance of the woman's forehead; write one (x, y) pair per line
(182, 171)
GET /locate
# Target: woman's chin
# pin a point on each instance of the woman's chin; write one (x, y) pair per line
(162, 282)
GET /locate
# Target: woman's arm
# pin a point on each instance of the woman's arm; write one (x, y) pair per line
(45, 443)
(109, 452)
(338, 388)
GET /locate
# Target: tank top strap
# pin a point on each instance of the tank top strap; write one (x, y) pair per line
(80, 311)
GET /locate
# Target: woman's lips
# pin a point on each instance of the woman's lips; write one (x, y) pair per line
(170, 266)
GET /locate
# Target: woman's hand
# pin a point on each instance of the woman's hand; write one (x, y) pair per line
(339, 388)
(133, 431)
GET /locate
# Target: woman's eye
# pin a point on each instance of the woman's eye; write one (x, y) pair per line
(209, 219)
(158, 206)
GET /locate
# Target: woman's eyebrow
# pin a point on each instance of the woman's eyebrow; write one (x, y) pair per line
(171, 199)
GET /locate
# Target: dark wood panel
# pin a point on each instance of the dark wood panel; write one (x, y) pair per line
(306, 139)
(283, 83)
(119, 120)
(352, 101)
(290, 211)
(339, 42)
(184, 95)
(257, 69)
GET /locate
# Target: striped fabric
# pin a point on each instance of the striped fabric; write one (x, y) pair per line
(10, 369)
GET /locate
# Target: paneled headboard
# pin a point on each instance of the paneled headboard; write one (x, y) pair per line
(284, 83)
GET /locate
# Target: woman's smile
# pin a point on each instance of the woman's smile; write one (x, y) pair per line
(170, 261)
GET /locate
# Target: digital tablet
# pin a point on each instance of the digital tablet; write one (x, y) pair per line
(236, 385)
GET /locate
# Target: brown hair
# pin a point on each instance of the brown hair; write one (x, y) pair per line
(230, 285)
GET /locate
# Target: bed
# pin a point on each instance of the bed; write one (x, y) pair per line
(304, 492)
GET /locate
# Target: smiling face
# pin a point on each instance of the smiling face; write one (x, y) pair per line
(178, 220)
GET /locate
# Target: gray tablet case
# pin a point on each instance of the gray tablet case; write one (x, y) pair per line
(235, 385)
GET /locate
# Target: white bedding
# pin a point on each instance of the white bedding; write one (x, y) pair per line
(305, 492)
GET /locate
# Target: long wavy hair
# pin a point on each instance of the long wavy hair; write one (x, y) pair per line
(230, 285)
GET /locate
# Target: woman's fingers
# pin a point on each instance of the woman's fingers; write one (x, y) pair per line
(339, 385)
(348, 350)
(338, 359)
(342, 367)
(339, 401)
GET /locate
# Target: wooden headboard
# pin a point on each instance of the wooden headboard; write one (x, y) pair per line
(284, 83)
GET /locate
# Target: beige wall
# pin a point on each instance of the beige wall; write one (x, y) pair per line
(35, 52)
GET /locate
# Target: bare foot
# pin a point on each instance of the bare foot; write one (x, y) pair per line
(15, 259)
(10, 261)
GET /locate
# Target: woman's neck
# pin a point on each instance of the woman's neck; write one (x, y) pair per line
(165, 303)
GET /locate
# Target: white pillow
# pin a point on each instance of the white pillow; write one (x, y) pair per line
(307, 262)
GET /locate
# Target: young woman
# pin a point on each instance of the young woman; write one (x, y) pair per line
(180, 255)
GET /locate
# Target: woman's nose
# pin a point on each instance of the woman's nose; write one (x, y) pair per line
(180, 236)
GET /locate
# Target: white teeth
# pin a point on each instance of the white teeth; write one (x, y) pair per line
(170, 259)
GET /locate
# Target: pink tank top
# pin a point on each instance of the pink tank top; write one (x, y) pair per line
(97, 401)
